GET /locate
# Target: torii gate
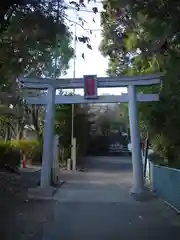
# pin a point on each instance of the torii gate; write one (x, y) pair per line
(90, 84)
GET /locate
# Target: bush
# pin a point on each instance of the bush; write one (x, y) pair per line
(157, 159)
(168, 152)
(9, 155)
(30, 149)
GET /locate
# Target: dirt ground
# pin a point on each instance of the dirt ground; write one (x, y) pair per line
(21, 218)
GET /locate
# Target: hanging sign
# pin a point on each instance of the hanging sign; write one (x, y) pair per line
(90, 86)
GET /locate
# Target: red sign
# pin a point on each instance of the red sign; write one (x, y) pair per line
(90, 86)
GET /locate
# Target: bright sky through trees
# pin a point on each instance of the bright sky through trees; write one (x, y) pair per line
(94, 62)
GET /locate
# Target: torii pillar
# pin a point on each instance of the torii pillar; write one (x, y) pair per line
(138, 181)
(48, 139)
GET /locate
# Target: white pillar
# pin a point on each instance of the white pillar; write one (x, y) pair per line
(74, 154)
(55, 162)
(138, 181)
(48, 139)
(69, 161)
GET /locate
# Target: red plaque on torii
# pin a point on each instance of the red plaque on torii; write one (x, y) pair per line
(90, 86)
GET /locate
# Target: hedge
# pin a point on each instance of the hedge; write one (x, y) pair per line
(30, 149)
(9, 156)
(12, 152)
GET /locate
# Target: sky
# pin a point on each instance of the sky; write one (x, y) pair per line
(94, 62)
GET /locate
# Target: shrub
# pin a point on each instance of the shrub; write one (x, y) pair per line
(9, 155)
(168, 152)
(157, 159)
(31, 149)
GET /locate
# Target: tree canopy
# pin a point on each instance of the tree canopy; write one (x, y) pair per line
(143, 37)
(28, 47)
(33, 37)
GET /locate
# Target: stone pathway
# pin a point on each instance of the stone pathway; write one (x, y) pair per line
(97, 205)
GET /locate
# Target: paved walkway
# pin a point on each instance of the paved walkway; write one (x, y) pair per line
(96, 205)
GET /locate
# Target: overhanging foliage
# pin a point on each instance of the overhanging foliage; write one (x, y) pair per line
(143, 37)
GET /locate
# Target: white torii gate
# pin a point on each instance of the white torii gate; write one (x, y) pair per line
(90, 84)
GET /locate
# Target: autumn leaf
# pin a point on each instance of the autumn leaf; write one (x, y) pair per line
(75, 4)
(81, 2)
(80, 19)
(89, 46)
(83, 39)
(95, 10)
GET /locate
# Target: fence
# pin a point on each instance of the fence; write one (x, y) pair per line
(165, 183)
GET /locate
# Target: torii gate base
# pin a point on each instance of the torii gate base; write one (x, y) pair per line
(138, 190)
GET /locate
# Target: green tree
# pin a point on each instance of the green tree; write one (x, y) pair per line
(143, 37)
(28, 48)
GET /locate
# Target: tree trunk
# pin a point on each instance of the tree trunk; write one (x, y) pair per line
(8, 133)
(20, 135)
(20, 128)
(35, 120)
